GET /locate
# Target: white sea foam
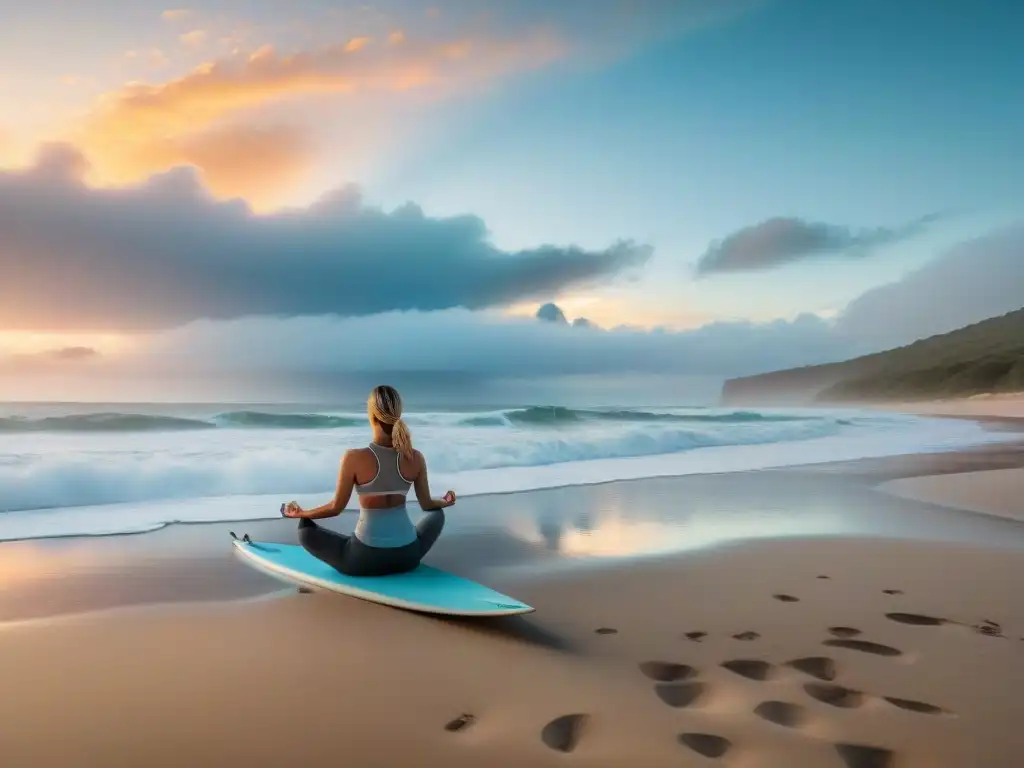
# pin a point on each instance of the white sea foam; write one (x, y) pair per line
(58, 483)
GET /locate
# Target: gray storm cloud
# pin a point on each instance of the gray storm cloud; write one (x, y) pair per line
(974, 280)
(480, 343)
(551, 313)
(778, 241)
(165, 253)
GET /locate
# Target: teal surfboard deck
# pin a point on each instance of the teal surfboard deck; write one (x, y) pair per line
(425, 589)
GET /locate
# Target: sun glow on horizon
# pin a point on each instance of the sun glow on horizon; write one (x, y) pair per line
(609, 313)
(38, 343)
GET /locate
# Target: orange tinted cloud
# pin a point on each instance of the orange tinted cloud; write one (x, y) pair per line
(175, 14)
(193, 39)
(219, 88)
(356, 44)
(259, 163)
(15, 150)
(142, 127)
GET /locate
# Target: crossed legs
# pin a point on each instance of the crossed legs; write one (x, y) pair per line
(351, 557)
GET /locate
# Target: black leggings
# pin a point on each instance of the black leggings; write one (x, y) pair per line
(352, 557)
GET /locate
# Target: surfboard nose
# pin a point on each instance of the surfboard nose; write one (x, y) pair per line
(510, 606)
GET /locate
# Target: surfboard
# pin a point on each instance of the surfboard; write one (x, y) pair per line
(425, 589)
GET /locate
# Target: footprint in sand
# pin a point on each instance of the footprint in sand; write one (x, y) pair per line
(746, 636)
(859, 756)
(695, 636)
(460, 723)
(864, 646)
(916, 619)
(781, 713)
(606, 631)
(893, 591)
(786, 598)
(667, 671)
(824, 577)
(834, 695)
(989, 628)
(820, 667)
(679, 695)
(706, 744)
(915, 706)
(563, 733)
(844, 631)
(752, 669)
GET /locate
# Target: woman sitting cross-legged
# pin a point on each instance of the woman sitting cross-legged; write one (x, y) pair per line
(385, 540)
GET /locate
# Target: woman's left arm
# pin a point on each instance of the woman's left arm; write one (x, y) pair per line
(346, 480)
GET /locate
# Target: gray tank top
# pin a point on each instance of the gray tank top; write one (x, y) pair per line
(390, 527)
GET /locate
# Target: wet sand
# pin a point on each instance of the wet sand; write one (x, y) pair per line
(795, 617)
(992, 492)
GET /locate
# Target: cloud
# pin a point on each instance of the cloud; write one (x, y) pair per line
(551, 313)
(217, 89)
(250, 161)
(72, 353)
(474, 344)
(128, 132)
(175, 14)
(194, 38)
(778, 241)
(165, 253)
(976, 279)
(48, 360)
(356, 44)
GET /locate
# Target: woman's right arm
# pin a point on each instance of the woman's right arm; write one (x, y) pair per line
(422, 486)
(342, 493)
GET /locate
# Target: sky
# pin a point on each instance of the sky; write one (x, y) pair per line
(240, 187)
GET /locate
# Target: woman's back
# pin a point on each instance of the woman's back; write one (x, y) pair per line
(383, 517)
(384, 476)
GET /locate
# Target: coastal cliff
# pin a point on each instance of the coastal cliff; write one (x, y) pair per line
(983, 358)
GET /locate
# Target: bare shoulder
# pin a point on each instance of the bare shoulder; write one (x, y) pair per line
(355, 457)
(415, 465)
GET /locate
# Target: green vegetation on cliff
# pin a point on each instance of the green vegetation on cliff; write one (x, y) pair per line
(986, 357)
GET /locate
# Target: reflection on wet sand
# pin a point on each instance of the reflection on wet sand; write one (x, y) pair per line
(517, 533)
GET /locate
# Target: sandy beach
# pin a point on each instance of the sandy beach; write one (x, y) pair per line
(1002, 406)
(798, 617)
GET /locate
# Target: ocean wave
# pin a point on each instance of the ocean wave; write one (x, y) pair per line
(52, 472)
(286, 420)
(558, 415)
(101, 422)
(247, 482)
(531, 416)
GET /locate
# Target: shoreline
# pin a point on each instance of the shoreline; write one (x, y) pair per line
(514, 533)
(512, 481)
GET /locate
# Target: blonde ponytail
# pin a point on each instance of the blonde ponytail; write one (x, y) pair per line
(401, 439)
(384, 405)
